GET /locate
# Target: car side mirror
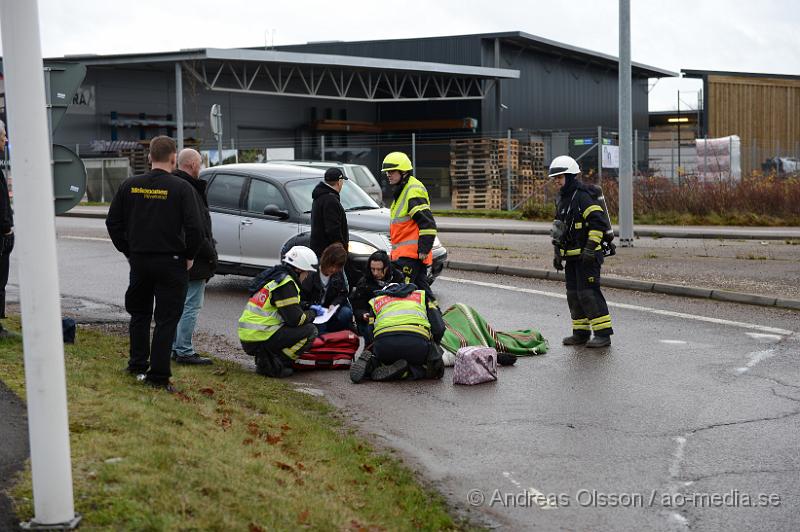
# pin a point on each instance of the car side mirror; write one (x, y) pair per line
(273, 210)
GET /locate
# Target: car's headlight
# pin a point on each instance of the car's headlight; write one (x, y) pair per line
(436, 242)
(360, 248)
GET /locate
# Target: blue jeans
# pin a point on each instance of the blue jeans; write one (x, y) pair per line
(191, 308)
(339, 321)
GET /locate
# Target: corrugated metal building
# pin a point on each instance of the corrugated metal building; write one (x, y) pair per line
(365, 97)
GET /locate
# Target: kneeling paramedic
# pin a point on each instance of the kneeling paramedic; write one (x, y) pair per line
(273, 327)
(412, 228)
(582, 237)
(407, 330)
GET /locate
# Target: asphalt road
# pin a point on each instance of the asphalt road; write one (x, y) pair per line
(693, 410)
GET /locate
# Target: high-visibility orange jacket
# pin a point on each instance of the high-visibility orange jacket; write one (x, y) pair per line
(412, 229)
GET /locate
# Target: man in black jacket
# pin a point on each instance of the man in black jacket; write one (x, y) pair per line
(205, 263)
(6, 234)
(328, 219)
(154, 220)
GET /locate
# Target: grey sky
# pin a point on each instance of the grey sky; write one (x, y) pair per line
(737, 35)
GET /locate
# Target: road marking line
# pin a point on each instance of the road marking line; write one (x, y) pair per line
(755, 357)
(626, 306)
(92, 238)
(538, 496)
(673, 342)
(760, 336)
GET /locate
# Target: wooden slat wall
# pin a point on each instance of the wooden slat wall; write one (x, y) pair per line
(764, 112)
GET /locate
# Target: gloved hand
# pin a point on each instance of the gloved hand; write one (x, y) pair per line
(423, 256)
(319, 309)
(588, 256)
(557, 264)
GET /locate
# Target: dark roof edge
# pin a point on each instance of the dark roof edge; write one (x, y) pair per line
(702, 73)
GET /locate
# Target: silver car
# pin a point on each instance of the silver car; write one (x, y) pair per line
(259, 210)
(357, 173)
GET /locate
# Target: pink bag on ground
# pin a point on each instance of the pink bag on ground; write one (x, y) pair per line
(474, 365)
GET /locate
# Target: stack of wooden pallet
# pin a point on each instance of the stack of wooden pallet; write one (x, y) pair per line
(531, 169)
(478, 172)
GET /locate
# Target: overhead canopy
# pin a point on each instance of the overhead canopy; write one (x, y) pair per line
(321, 75)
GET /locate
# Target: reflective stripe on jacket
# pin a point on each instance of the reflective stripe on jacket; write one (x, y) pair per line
(401, 314)
(403, 230)
(260, 318)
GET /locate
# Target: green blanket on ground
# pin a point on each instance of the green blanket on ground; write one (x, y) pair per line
(464, 327)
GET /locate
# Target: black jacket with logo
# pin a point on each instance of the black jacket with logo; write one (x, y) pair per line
(155, 213)
(579, 208)
(328, 219)
(367, 286)
(205, 262)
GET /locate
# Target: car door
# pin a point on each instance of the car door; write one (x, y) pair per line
(224, 201)
(262, 236)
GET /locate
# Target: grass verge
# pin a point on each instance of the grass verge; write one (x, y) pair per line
(232, 451)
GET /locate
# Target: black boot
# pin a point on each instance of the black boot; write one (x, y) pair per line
(391, 372)
(434, 366)
(575, 339)
(599, 341)
(362, 368)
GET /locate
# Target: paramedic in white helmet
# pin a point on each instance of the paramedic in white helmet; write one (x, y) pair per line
(581, 233)
(273, 327)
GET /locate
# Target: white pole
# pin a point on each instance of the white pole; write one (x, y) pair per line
(600, 155)
(625, 127)
(414, 153)
(45, 382)
(179, 105)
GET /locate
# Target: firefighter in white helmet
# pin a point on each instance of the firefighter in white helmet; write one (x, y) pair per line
(581, 236)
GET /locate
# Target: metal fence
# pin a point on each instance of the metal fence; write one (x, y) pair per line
(483, 177)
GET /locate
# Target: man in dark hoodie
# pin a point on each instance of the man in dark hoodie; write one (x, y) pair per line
(205, 263)
(328, 219)
(378, 273)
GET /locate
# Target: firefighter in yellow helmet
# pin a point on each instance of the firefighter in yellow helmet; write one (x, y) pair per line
(412, 229)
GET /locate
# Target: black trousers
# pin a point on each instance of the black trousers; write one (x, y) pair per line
(162, 278)
(6, 245)
(587, 306)
(413, 348)
(414, 271)
(285, 345)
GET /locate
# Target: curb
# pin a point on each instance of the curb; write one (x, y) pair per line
(650, 233)
(634, 284)
(84, 215)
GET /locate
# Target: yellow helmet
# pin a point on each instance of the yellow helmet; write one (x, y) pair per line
(396, 160)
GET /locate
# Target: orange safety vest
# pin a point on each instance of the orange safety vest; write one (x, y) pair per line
(403, 230)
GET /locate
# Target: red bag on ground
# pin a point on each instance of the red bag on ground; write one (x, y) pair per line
(334, 350)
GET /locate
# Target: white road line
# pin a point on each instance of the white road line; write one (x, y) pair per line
(674, 342)
(638, 308)
(91, 238)
(539, 498)
(760, 336)
(755, 357)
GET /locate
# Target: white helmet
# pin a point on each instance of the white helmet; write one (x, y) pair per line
(302, 258)
(564, 164)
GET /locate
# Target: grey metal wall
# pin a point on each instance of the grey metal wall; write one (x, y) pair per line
(557, 93)
(461, 50)
(249, 118)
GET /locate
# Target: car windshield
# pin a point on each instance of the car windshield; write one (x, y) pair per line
(353, 198)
